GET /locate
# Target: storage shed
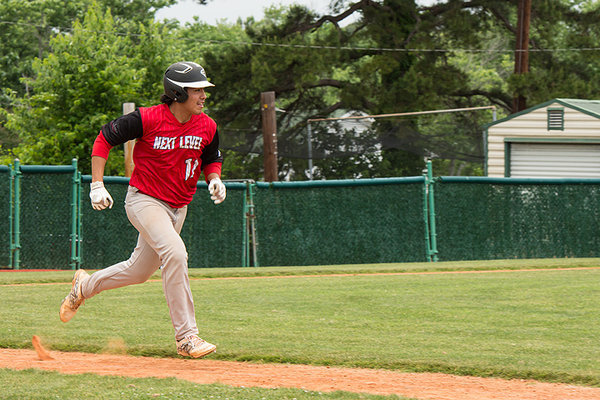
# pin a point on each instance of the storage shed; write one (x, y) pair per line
(556, 139)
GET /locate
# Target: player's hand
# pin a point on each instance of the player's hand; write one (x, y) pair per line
(217, 190)
(100, 196)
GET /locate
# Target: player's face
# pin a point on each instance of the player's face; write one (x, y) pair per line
(195, 102)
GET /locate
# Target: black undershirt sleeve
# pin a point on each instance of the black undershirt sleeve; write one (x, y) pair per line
(123, 129)
(211, 153)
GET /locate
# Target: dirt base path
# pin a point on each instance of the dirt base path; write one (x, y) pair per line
(314, 378)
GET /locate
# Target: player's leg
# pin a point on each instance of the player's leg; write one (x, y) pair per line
(140, 266)
(142, 263)
(161, 229)
(144, 260)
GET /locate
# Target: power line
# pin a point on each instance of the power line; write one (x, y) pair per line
(448, 110)
(401, 50)
(58, 29)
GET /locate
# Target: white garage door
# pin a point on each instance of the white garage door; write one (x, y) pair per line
(554, 160)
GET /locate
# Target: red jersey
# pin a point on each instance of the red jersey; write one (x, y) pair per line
(169, 156)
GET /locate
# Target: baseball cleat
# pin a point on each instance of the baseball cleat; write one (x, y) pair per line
(193, 346)
(74, 299)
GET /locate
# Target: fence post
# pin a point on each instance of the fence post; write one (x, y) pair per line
(249, 227)
(252, 222)
(426, 216)
(11, 207)
(309, 142)
(16, 248)
(431, 206)
(79, 217)
(75, 211)
(245, 228)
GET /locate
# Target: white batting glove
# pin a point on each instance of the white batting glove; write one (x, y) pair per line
(217, 190)
(100, 196)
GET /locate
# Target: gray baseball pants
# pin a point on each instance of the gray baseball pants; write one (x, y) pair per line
(159, 243)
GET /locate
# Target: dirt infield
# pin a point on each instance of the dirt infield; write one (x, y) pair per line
(314, 378)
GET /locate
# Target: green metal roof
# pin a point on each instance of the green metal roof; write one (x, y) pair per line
(590, 107)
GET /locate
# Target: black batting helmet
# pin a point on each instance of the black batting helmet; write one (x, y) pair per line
(182, 75)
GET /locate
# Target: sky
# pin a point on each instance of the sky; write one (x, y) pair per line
(231, 10)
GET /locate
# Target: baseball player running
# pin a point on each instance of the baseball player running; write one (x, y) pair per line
(176, 142)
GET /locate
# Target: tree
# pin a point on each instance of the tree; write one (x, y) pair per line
(408, 62)
(80, 86)
(314, 79)
(28, 27)
(367, 56)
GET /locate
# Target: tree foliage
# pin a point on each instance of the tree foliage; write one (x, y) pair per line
(63, 80)
(28, 27)
(81, 84)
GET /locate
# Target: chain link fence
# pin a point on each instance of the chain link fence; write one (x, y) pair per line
(341, 222)
(5, 215)
(213, 234)
(45, 220)
(48, 223)
(486, 218)
(107, 236)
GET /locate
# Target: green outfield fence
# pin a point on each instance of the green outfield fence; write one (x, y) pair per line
(487, 218)
(48, 222)
(340, 222)
(214, 235)
(5, 214)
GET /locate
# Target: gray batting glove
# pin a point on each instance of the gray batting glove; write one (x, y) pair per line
(100, 196)
(217, 190)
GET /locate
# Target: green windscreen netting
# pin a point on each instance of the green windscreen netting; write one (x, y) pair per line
(4, 216)
(107, 235)
(341, 222)
(315, 223)
(506, 218)
(212, 233)
(45, 218)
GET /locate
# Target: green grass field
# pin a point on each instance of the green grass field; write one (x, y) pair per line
(35, 384)
(540, 324)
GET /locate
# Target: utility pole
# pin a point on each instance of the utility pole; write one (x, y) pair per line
(269, 126)
(128, 146)
(522, 49)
